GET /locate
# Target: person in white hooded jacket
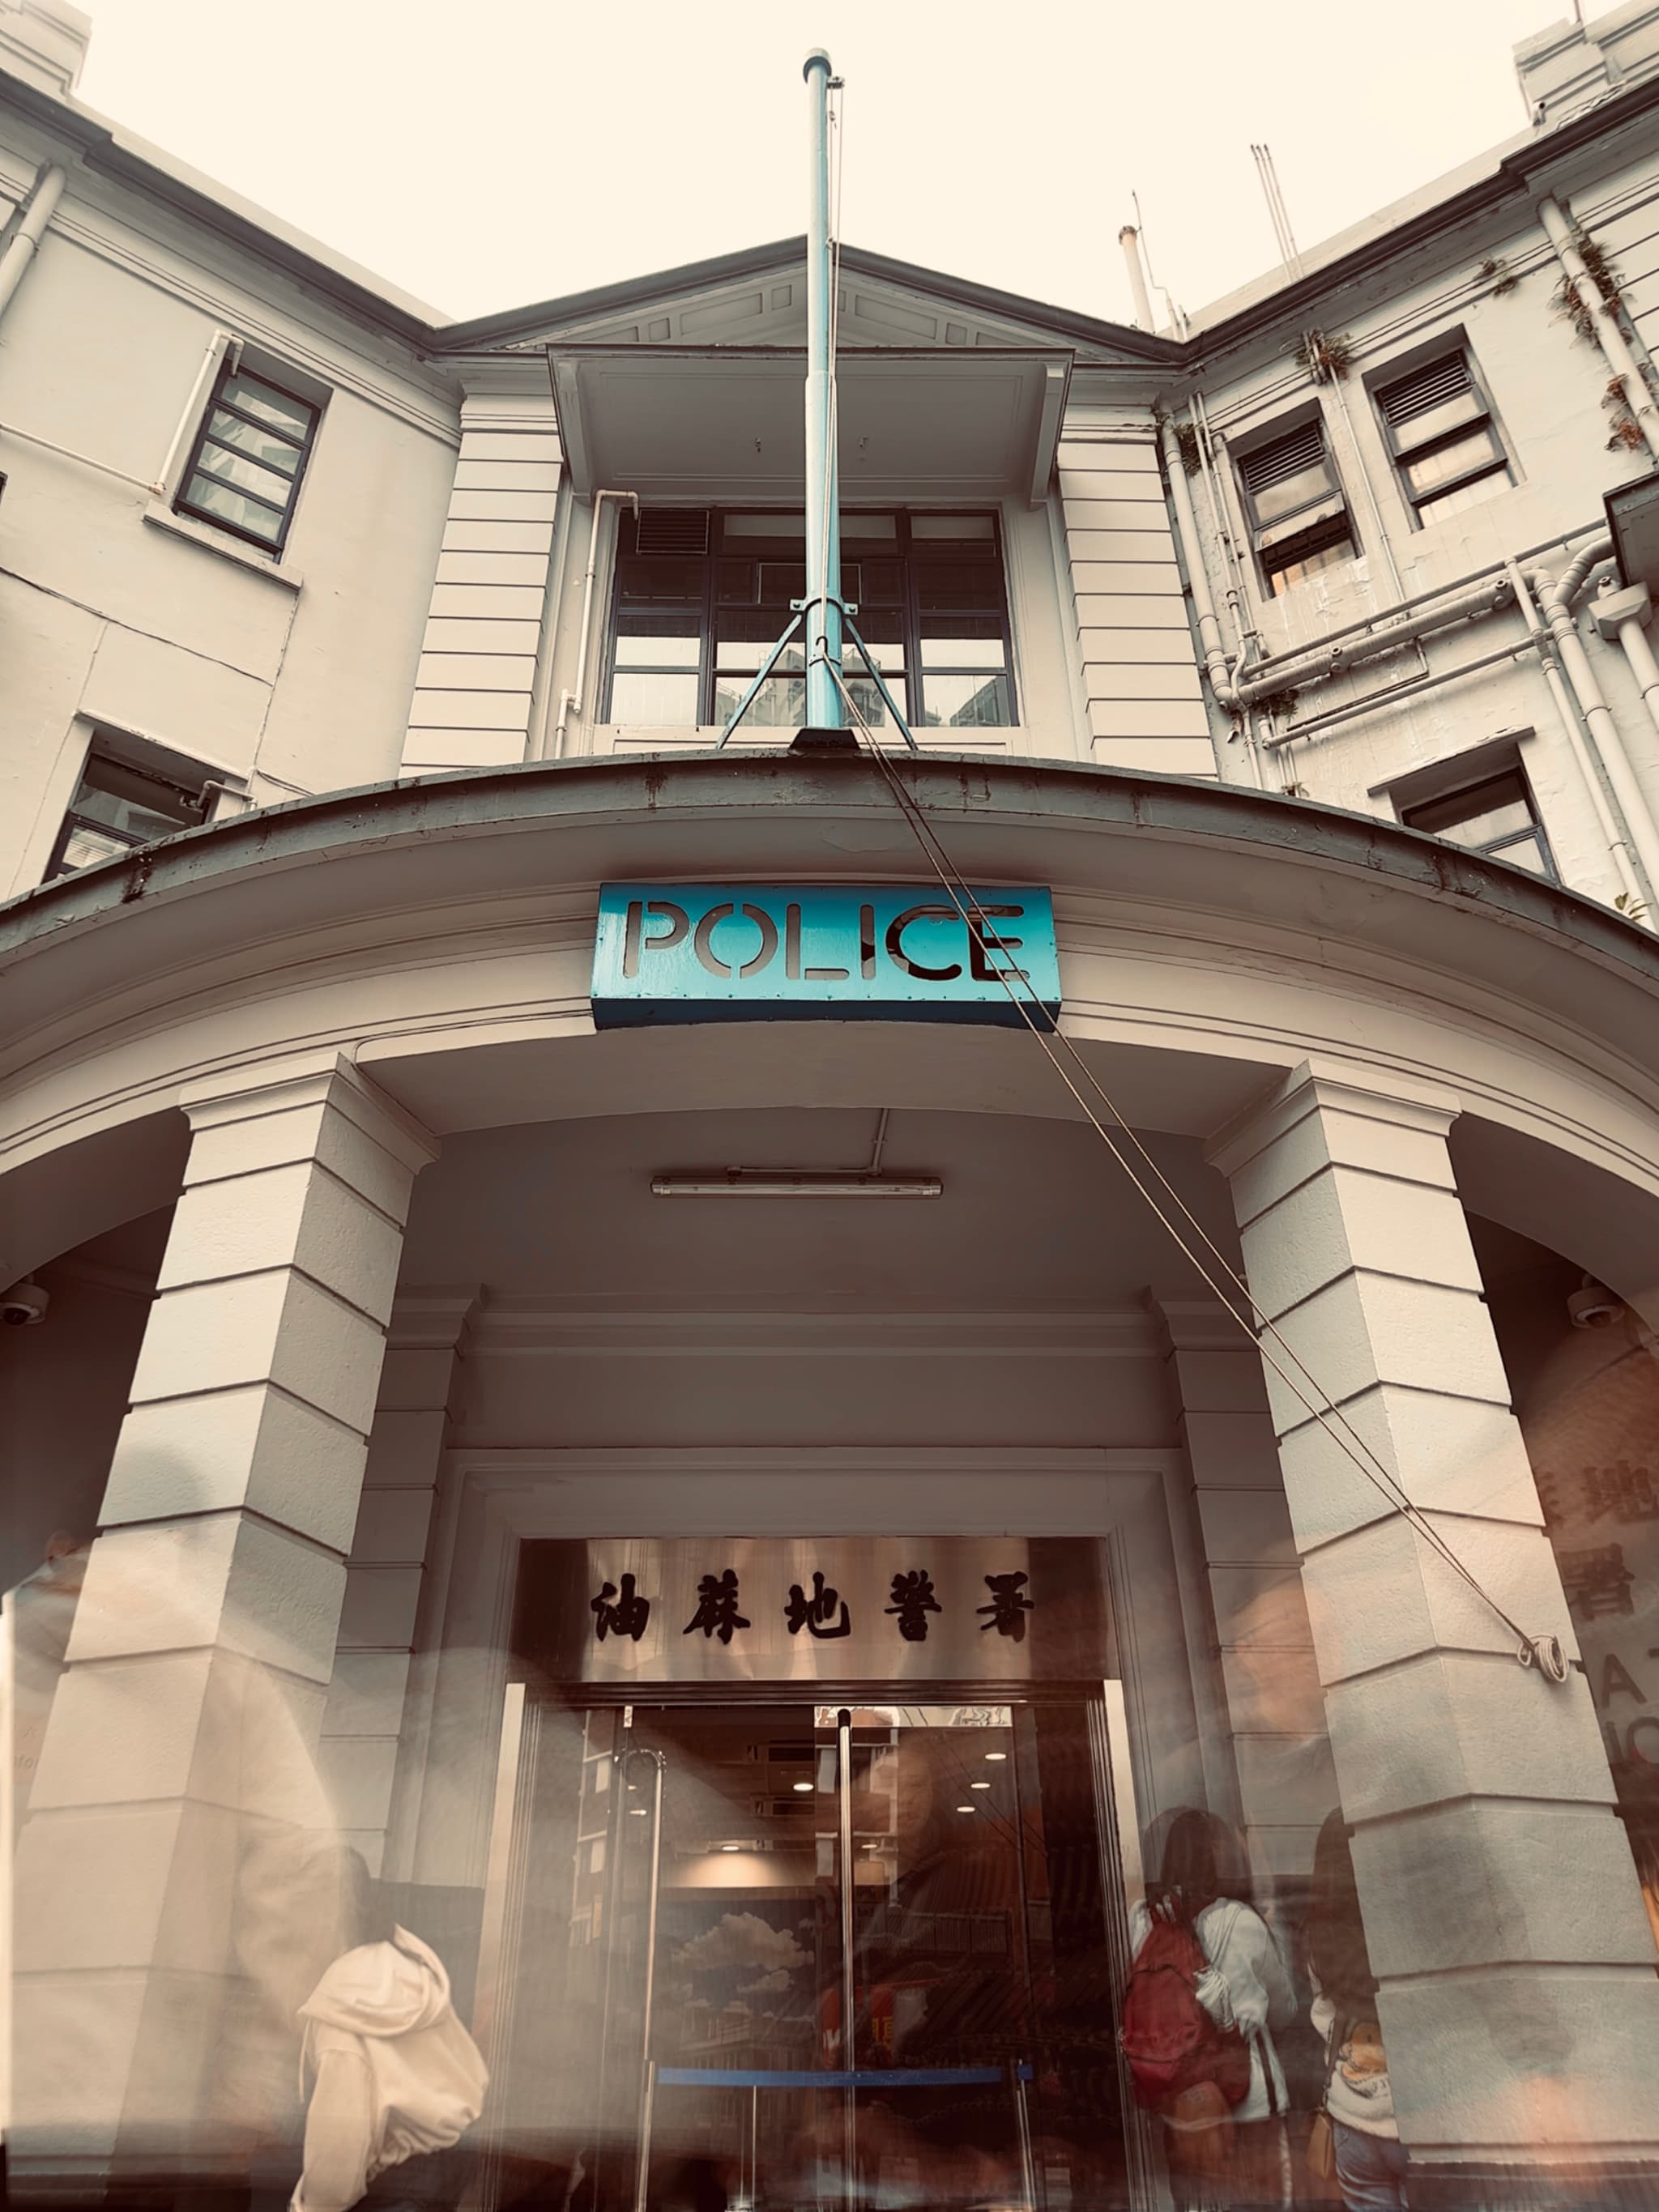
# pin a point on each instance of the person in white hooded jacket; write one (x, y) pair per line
(395, 2076)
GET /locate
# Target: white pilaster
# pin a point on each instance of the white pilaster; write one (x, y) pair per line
(1141, 681)
(1518, 2004)
(166, 1930)
(475, 691)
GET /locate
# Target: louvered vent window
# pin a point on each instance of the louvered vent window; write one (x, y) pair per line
(1439, 429)
(1298, 515)
(673, 530)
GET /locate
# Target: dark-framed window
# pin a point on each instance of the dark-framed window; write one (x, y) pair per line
(129, 794)
(1440, 436)
(704, 594)
(1293, 498)
(244, 468)
(1497, 817)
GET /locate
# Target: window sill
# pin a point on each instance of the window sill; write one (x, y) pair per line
(162, 517)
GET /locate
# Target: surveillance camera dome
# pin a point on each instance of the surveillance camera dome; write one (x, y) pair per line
(23, 1305)
(1592, 1306)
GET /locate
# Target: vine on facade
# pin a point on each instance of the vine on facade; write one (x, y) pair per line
(1326, 359)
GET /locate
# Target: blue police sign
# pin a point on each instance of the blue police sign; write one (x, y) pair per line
(720, 952)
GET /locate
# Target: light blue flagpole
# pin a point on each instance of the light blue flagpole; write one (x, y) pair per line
(824, 707)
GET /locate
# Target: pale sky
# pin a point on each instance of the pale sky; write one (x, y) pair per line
(488, 155)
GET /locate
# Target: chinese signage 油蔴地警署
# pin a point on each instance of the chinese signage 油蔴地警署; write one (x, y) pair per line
(699, 952)
(929, 1608)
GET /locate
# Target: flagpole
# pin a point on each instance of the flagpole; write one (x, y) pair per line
(825, 706)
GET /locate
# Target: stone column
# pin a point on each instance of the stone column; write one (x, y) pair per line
(1269, 1767)
(1518, 2004)
(171, 1896)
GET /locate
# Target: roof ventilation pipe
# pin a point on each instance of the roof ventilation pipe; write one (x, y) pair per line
(1562, 235)
(1555, 598)
(570, 702)
(43, 203)
(1129, 239)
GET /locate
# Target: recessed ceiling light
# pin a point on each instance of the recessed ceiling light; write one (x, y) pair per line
(967, 1808)
(731, 1847)
(637, 1812)
(994, 1755)
(802, 1788)
(979, 1785)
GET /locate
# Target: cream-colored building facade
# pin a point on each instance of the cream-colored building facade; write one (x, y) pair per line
(1294, 648)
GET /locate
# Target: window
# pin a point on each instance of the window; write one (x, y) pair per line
(1496, 817)
(1440, 433)
(129, 793)
(1298, 517)
(703, 596)
(244, 471)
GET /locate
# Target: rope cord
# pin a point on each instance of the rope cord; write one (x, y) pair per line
(1256, 1324)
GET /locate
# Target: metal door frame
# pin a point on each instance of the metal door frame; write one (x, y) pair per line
(1116, 1826)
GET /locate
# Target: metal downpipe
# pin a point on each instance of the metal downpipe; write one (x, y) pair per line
(25, 239)
(1615, 348)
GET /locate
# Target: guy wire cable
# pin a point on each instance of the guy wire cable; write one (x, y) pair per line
(1543, 1651)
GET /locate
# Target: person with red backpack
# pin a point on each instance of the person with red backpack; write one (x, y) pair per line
(1206, 1988)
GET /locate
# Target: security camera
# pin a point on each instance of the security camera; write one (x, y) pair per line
(1593, 1306)
(24, 1304)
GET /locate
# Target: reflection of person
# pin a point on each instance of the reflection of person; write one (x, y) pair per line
(1242, 2160)
(1371, 2165)
(397, 2080)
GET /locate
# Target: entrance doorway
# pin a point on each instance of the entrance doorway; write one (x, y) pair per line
(853, 1955)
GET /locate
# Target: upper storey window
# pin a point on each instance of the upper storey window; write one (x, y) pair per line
(244, 468)
(1496, 816)
(1299, 516)
(702, 596)
(129, 793)
(1440, 432)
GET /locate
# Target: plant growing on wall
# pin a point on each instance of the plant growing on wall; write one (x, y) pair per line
(1277, 703)
(1326, 358)
(1187, 439)
(1570, 306)
(1497, 273)
(1626, 431)
(1633, 909)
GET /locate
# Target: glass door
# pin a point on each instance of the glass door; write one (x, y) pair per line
(845, 1957)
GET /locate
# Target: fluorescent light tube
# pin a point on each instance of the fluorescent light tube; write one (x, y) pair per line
(746, 1183)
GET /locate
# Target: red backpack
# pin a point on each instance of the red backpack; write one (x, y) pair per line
(1169, 2042)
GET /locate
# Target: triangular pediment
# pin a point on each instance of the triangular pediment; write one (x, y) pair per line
(758, 298)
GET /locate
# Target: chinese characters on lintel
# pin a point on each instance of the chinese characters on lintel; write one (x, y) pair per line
(619, 1609)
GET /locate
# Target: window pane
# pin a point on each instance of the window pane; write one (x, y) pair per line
(1465, 408)
(1450, 462)
(754, 641)
(765, 525)
(876, 530)
(640, 701)
(967, 703)
(1308, 564)
(233, 468)
(782, 581)
(1524, 853)
(970, 641)
(780, 702)
(645, 578)
(958, 527)
(224, 504)
(881, 583)
(1477, 829)
(1279, 499)
(1469, 495)
(138, 823)
(270, 405)
(946, 584)
(85, 846)
(253, 438)
(658, 652)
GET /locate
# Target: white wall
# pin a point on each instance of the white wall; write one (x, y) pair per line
(293, 675)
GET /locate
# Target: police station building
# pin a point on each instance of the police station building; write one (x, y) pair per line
(747, 1366)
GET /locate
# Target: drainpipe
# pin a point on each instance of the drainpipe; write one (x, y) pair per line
(1611, 339)
(571, 702)
(25, 239)
(1192, 552)
(1616, 843)
(1129, 239)
(1381, 634)
(1334, 387)
(1554, 598)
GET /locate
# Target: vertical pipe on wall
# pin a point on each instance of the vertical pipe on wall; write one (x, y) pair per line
(1562, 235)
(25, 239)
(1129, 239)
(1554, 596)
(1572, 729)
